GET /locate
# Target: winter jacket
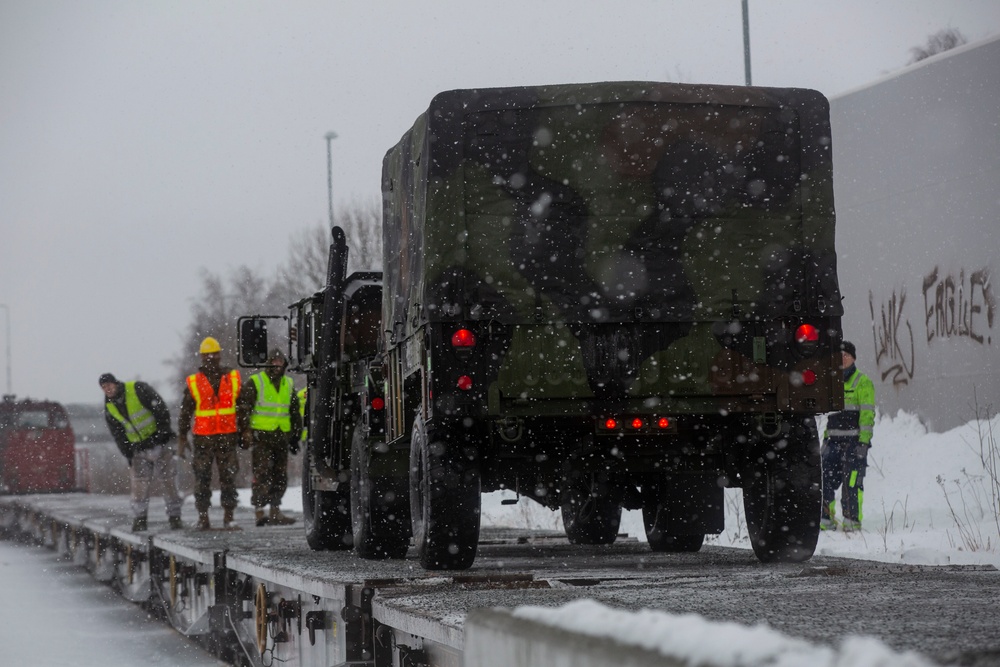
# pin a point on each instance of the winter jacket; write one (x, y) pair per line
(855, 422)
(152, 401)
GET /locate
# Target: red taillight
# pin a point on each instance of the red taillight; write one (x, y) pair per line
(463, 338)
(377, 403)
(610, 424)
(464, 382)
(806, 333)
(808, 376)
(636, 423)
(663, 422)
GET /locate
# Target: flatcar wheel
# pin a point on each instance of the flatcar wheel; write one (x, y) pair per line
(260, 617)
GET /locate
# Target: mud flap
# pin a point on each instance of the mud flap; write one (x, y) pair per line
(687, 503)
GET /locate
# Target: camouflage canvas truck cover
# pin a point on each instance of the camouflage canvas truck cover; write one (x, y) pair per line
(612, 295)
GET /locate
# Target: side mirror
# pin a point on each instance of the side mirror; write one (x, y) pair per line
(251, 335)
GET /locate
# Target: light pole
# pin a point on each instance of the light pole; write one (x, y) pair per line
(746, 41)
(330, 136)
(6, 310)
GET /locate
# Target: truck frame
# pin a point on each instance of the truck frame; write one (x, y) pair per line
(597, 296)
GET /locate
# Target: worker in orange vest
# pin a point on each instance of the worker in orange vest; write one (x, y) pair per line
(208, 409)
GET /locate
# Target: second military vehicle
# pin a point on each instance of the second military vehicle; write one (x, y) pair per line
(597, 296)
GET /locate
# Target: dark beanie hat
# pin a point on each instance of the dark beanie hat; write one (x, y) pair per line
(107, 378)
(848, 347)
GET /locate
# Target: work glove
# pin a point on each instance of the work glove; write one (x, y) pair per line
(246, 442)
(293, 446)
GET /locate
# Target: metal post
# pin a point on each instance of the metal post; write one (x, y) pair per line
(746, 42)
(6, 310)
(330, 136)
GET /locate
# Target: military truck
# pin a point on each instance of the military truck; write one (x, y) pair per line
(595, 296)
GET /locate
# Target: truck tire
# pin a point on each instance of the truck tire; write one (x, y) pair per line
(326, 514)
(445, 498)
(380, 510)
(591, 513)
(655, 518)
(783, 497)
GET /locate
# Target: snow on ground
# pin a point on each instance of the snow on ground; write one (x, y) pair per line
(702, 642)
(57, 614)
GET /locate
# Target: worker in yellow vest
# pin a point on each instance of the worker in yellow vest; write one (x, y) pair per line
(270, 422)
(139, 422)
(208, 409)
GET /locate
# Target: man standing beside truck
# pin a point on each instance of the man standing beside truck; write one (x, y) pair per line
(269, 420)
(846, 442)
(208, 409)
(139, 422)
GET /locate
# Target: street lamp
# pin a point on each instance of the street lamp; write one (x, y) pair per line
(6, 310)
(746, 41)
(330, 136)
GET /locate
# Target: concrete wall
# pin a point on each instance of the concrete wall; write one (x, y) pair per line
(917, 185)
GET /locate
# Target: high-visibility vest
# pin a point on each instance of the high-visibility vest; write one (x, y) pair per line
(856, 420)
(214, 414)
(302, 413)
(270, 412)
(138, 421)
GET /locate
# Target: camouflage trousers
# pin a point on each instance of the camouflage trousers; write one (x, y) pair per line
(270, 468)
(156, 463)
(221, 451)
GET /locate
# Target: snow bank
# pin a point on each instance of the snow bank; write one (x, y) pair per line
(691, 640)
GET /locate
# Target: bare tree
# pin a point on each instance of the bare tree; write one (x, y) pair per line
(244, 291)
(304, 271)
(215, 313)
(939, 42)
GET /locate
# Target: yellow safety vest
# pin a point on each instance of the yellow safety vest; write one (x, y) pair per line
(270, 413)
(140, 422)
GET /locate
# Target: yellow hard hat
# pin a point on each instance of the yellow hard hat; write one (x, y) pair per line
(210, 345)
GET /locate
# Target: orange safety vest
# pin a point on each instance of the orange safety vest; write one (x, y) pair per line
(214, 414)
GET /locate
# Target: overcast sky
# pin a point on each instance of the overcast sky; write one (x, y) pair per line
(143, 141)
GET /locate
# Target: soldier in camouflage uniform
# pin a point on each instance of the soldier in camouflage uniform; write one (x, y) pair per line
(269, 420)
(208, 408)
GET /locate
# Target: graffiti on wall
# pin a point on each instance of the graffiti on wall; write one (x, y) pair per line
(960, 305)
(955, 305)
(895, 354)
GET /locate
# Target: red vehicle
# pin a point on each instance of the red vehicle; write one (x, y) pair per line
(36, 447)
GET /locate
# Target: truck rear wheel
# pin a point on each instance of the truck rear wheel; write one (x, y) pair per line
(326, 514)
(380, 510)
(782, 497)
(591, 514)
(445, 498)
